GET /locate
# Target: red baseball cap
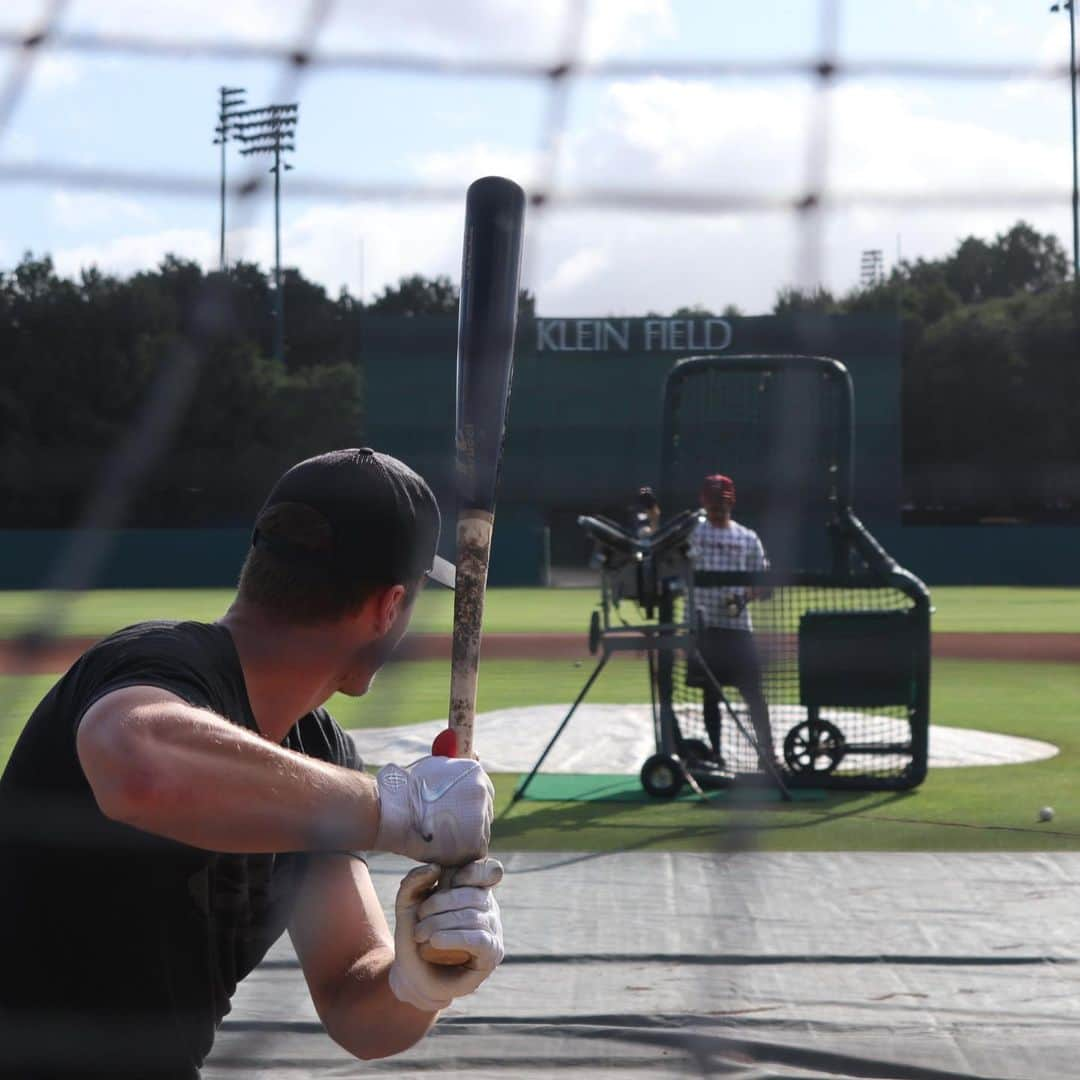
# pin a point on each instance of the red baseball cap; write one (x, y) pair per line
(718, 485)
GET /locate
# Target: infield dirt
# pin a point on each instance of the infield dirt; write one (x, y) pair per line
(29, 657)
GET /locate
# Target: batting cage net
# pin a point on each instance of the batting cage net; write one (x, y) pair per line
(843, 678)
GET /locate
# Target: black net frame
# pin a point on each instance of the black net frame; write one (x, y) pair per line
(840, 631)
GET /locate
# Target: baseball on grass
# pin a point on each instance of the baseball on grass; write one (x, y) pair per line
(1046, 813)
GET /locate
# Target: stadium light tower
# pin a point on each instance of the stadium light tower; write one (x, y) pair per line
(271, 130)
(1070, 7)
(230, 98)
(872, 268)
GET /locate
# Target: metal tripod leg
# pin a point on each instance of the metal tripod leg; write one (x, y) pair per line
(688, 776)
(566, 720)
(765, 758)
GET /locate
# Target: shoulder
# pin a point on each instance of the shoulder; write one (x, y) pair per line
(319, 735)
(746, 534)
(163, 637)
(195, 661)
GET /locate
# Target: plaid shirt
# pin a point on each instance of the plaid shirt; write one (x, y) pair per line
(734, 548)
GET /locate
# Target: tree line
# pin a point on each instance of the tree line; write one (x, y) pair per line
(991, 383)
(80, 357)
(990, 376)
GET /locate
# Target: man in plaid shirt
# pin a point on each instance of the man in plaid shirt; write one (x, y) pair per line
(720, 543)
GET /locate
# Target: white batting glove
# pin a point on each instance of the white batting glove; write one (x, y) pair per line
(436, 810)
(465, 917)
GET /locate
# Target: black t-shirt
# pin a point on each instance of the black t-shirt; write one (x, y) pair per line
(120, 950)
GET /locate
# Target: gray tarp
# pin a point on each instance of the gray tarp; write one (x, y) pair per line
(743, 965)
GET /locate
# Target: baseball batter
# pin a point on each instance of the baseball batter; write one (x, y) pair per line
(720, 543)
(181, 797)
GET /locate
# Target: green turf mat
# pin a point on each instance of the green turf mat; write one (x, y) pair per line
(585, 787)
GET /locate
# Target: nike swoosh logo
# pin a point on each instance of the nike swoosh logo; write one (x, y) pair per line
(431, 794)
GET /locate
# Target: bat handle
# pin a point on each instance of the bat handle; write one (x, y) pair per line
(444, 957)
(474, 549)
(445, 745)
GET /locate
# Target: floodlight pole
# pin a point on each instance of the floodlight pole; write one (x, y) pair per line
(230, 98)
(279, 294)
(1070, 7)
(270, 130)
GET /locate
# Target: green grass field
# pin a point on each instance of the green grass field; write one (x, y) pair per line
(970, 809)
(977, 809)
(983, 610)
(955, 809)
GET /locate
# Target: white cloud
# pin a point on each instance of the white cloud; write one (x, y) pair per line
(674, 136)
(262, 21)
(20, 147)
(56, 71)
(577, 269)
(892, 141)
(371, 245)
(75, 210)
(530, 29)
(666, 135)
(621, 27)
(669, 136)
(132, 253)
(463, 165)
(21, 16)
(692, 134)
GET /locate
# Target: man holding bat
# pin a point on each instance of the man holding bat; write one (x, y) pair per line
(180, 797)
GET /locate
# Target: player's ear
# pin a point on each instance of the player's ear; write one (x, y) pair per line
(388, 603)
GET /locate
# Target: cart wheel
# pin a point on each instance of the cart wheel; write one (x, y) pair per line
(662, 777)
(594, 632)
(814, 746)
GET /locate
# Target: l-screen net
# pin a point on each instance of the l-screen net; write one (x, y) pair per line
(840, 631)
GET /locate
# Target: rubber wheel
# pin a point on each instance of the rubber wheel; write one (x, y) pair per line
(594, 632)
(662, 777)
(814, 747)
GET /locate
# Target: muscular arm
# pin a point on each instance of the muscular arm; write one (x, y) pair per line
(346, 949)
(155, 762)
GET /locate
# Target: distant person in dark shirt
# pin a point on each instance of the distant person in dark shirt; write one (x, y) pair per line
(644, 512)
(181, 797)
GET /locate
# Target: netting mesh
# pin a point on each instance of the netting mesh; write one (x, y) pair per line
(835, 741)
(781, 426)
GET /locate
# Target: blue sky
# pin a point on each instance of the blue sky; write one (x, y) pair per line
(666, 134)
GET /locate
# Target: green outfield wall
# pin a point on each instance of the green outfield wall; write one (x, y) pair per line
(583, 434)
(585, 415)
(179, 558)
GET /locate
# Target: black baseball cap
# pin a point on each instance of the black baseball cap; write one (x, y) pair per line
(646, 498)
(383, 517)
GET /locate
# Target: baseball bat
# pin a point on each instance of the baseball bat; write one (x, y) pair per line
(487, 320)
